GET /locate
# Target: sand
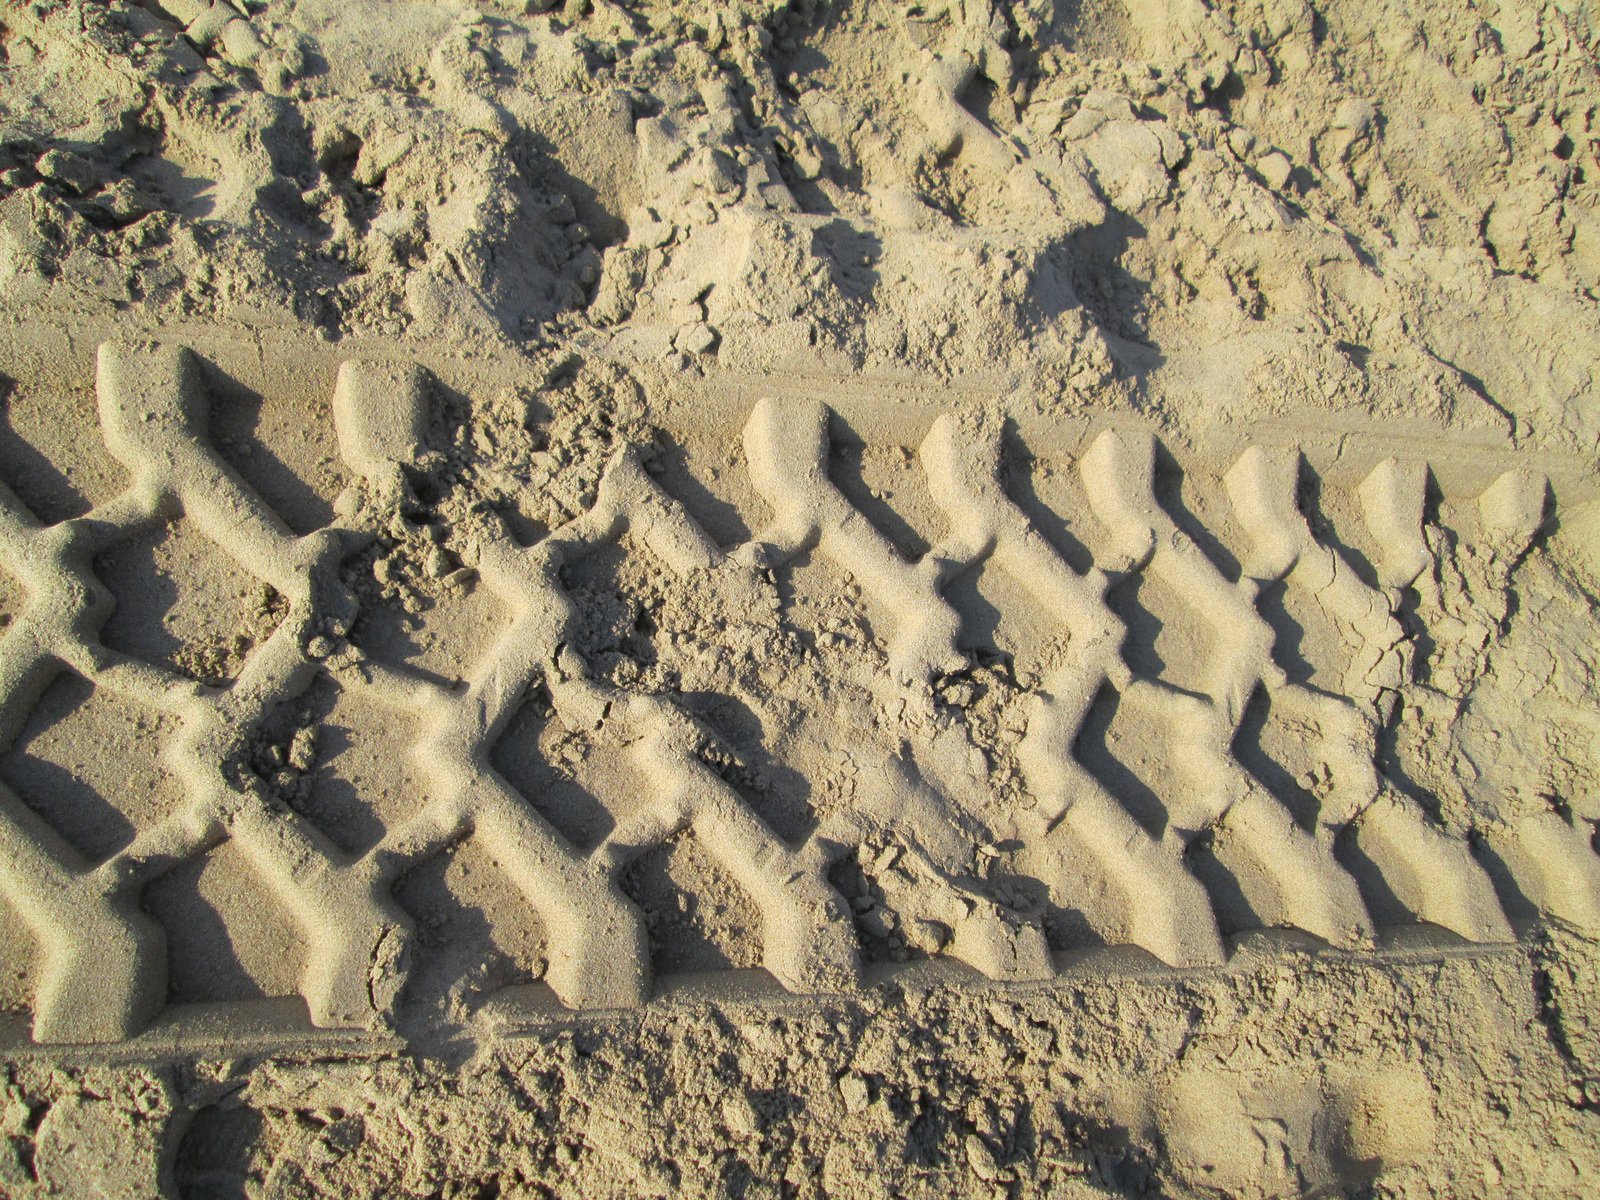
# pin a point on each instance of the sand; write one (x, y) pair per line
(799, 600)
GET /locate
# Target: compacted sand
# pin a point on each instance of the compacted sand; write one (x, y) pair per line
(818, 599)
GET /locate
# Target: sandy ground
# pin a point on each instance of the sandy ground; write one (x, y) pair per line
(799, 600)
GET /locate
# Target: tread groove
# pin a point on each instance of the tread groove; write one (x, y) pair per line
(1311, 837)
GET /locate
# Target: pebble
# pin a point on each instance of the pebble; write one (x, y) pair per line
(696, 339)
(854, 1091)
(1275, 168)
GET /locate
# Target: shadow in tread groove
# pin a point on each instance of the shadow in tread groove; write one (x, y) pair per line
(475, 933)
(1094, 750)
(1235, 913)
(227, 937)
(216, 1154)
(79, 749)
(698, 918)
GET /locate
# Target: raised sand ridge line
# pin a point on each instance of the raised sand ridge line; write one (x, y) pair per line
(857, 764)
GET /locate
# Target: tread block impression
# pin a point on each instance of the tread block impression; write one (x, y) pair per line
(432, 758)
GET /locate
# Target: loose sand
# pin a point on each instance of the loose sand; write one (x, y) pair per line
(799, 600)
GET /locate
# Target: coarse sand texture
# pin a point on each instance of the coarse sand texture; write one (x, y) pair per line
(791, 600)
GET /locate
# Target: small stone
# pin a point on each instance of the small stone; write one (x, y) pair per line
(854, 1091)
(878, 922)
(696, 339)
(320, 647)
(1275, 168)
(958, 693)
